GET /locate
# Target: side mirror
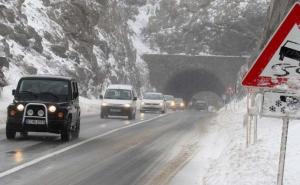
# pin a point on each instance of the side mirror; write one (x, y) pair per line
(135, 99)
(13, 92)
(101, 96)
(76, 95)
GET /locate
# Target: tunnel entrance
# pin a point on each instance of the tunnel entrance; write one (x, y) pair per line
(211, 98)
(189, 83)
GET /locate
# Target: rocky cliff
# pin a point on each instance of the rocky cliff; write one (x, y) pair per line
(89, 40)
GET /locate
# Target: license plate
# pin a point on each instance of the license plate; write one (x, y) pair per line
(115, 110)
(35, 122)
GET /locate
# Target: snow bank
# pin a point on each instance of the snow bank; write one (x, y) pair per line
(256, 165)
(89, 107)
(5, 99)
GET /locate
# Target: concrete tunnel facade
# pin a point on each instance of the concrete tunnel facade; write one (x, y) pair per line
(185, 76)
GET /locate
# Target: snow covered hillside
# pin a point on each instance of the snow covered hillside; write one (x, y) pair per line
(223, 27)
(89, 40)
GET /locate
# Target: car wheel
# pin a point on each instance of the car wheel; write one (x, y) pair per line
(66, 132)
(130, 116)
(281, 57)
(77, 129)
(10, 133)
(103, 115)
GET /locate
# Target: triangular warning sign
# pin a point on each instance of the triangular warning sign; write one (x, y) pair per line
(280, 59)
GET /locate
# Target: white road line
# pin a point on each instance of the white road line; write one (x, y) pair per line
(42, 158)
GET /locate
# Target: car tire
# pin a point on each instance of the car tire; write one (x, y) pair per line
(281, 57)
(103, 115)
(10, 133)
(130, 116)
(77, 129)
(66, 132)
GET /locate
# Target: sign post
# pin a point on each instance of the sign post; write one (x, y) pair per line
(277, 67)
(285, 129)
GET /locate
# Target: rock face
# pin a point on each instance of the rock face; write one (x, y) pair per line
(89, 40)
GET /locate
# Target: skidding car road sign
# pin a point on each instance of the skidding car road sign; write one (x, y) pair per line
(280, 59)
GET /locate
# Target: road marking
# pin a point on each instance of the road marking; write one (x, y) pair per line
(42, 158)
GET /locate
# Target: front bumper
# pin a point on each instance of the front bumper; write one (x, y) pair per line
(116, 111)
(151, 108)
(53, 126)
(52, 123)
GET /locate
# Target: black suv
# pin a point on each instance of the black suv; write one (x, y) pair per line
(44, 104)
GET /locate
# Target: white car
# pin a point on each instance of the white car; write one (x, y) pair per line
(170, 100)
(119, 100)
(153, 102)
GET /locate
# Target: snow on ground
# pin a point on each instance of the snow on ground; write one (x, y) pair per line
(223, 158)
(5, 99)
(89, 106)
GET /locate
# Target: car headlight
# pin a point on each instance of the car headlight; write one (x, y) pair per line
(161, 104)
(52, 108)
(182, 104)
(41, 113)
(172, 103)
(20, 107)
(30, 112)
(104, 104)
(143, 103)
(127, 105)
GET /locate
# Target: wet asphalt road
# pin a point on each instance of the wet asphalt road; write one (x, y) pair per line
(109, 151)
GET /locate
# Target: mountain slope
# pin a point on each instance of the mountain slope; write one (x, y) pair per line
(89, 40)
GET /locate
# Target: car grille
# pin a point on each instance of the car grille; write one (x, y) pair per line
(155, 104)
(35, 109)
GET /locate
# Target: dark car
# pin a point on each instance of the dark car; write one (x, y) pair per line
(44, 104)
(291, 50)
(200, 105)
(179, 103)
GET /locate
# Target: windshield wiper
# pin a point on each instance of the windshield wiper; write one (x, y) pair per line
(28, 92)
(49, 93)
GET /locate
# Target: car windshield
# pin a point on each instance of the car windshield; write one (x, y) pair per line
(179, 100)
(43, 89)
(119, 94)
(152, 96)
(169, 97)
